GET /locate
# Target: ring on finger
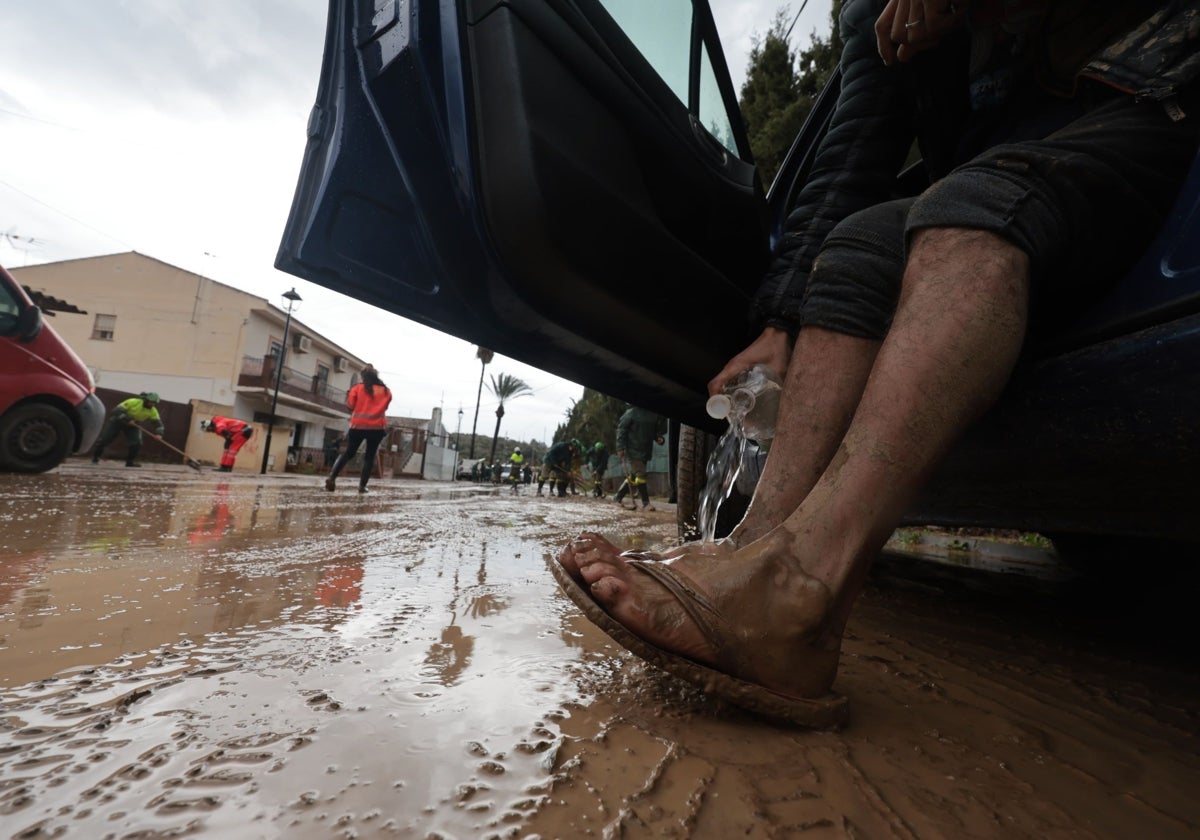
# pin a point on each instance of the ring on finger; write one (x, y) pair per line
(913, 23)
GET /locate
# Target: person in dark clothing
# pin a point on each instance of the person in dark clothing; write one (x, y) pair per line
(637, 432)
(598, 461)
(1055, 136)
(368, 402)
(556, 467)
(124, 420)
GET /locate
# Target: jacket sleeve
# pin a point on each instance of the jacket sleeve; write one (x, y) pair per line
(855, 167)
(623, 431)
(352, 398)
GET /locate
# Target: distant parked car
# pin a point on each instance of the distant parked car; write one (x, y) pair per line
(48, 405)
(570, 184)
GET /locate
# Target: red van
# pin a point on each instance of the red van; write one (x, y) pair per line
(48, 405)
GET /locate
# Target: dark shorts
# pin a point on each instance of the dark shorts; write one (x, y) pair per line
(1083, 199)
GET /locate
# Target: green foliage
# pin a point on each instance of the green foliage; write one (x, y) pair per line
(1036, 541)
(782, 85)
(592, 418)
(506, 387)
(534, 450)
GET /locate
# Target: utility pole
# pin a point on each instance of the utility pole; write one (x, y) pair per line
(291, 298)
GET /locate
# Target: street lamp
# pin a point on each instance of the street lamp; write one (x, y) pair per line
(292, 298)
(457, 431)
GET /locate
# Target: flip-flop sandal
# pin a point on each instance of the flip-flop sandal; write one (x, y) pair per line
(828, 712)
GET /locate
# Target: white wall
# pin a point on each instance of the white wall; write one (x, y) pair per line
(439, 463)
(177, 389)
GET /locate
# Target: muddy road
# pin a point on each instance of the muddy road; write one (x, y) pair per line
(182, 655)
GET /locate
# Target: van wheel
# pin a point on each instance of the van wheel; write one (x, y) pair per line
(35, 438)
(695, 448)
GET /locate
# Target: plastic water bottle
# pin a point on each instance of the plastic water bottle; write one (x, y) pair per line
(750, 401)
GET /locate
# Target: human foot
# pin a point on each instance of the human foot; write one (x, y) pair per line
(751, 613)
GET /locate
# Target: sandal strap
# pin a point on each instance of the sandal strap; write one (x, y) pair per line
(700, 609)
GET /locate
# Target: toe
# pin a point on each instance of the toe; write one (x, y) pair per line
(608, 590)
(566, 559)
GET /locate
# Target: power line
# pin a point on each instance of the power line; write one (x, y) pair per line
(19, 115)
(67, 215)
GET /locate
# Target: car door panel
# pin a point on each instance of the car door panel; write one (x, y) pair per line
(517, 174)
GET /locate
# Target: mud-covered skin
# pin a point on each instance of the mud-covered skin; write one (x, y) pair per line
(956, 335)
(773, 625)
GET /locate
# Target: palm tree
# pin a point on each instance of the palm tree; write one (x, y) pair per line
(484, 355)
(505, 387)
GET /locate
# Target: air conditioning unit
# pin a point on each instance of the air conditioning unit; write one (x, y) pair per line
(341, 364)
(303, 344)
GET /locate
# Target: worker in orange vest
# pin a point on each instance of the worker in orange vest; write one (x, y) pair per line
(368, 402)
(236, 433)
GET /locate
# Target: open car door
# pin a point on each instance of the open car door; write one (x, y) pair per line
(566, 182)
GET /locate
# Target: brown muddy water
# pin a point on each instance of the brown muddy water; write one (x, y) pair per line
(182, 655)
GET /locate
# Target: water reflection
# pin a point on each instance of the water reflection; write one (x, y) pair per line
(449, 657)
(100, 568)
(189, 676)
(217, 522)
(340, 584)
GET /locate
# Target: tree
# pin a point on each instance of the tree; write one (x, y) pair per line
(592, 418)
(782, 85)
(504, 387)
(485, 356)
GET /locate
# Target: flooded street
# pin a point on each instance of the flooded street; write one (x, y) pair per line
(188, 654)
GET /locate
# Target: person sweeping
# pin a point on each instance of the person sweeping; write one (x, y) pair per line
(368, 402)
(124, 420)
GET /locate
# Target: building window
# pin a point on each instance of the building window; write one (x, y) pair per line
(104, 327)
(276, 348)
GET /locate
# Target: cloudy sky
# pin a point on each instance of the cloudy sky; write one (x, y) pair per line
(175, 128)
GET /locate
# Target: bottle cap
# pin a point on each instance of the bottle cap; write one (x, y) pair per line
(718, 406)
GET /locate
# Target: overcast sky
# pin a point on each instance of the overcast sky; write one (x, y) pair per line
(175, 128)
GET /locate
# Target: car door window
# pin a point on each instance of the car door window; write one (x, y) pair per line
(10, 311)
(663, 32)
(711, 110)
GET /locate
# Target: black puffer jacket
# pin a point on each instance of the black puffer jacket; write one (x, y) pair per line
(855, 167)
(881, 111)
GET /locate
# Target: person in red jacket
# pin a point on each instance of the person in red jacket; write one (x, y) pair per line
(236, 433)
(368, 402)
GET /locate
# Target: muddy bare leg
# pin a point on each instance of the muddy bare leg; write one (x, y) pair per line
(825, 382)
(956, 336)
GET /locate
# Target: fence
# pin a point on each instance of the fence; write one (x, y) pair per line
(258, 372)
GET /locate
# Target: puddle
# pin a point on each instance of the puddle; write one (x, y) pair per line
(183, 656)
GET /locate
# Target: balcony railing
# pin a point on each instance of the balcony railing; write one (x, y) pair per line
(260, 373)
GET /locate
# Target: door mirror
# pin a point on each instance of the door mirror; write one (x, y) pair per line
(29, 324)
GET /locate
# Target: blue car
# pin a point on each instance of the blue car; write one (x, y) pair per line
(569, 183)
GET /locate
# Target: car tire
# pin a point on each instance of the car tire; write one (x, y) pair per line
(35, 438)
(695, 448)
